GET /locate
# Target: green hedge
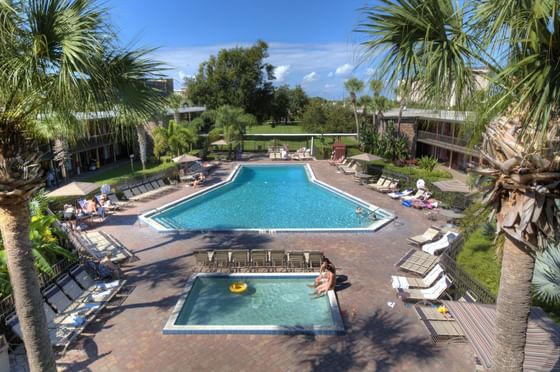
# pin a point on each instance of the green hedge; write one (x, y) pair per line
(478, 258)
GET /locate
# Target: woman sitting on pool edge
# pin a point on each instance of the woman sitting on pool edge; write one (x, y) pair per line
(327, 277)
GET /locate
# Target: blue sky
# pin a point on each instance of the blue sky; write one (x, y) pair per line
(310, 41)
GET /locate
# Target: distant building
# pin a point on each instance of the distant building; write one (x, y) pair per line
(437, 133)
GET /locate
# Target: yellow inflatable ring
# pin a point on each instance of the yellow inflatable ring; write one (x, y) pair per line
(238, 287)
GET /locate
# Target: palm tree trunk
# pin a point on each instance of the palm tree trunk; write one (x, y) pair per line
(357, 124)
(513, 307)
(402, 105)
(176, 116)
(142, 144)
(14, 226)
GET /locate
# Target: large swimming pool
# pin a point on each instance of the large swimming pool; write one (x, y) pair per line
(273, 303)
(269, 197)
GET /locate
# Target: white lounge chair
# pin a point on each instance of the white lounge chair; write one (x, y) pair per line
(427, 237)
(405, 282)
(397, 195)
(439, 245)
(418, 194)
(432, 293)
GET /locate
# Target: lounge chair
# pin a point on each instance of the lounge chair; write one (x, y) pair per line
(296, 259)
(352, 169)
(221, 259)
(393, 185)
(203, 258)
(314, 259)
(405, 282)
(440, 327)
(428, 236)
(99, 290)
(417, 262)
(259, 258)
(119, 203)
(398, 195)
(441, 244)
(432, 293)
(347, 162)
(98, 244)
(240, 258)
(379, 183)
(128, 194)
(278, 259)
(336, 162)
(418, 194)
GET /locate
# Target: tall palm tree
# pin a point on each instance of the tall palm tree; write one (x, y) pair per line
(57, 57)
(233, 121)
(429, 47)
(379, 103)
(176, 101)
(354, 86)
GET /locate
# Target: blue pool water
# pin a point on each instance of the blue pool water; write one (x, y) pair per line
(267, 197)
(283, 302)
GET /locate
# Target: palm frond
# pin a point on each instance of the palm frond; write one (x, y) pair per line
(546, 277)
(425, 46)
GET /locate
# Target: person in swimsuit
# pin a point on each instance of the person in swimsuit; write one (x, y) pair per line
(328, 282)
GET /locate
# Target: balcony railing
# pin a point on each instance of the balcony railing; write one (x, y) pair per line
(423, 135)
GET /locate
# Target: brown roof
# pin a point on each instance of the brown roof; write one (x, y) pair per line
(542, 351)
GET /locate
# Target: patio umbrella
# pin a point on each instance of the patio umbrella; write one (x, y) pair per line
(219, 143)
(74, 189)
(452, 186)
(365, 157)
(185, 159)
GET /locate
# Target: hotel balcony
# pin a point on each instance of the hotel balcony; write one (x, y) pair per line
(450, 143)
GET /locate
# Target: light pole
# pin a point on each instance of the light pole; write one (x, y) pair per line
(132, 162)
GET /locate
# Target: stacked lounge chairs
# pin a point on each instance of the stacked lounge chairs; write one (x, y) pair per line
(405, 282)
(70, 304)
(441, 244)
(257, 259)
(147, 190)
(98, 244)
(432, 293)
(427, 237)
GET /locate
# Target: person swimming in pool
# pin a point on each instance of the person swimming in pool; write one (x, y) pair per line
(359, 211)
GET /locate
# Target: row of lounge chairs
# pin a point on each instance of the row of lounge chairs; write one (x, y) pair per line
(147, 190)
(385, 184)
(70, 304)
(256, 259)
(430, 281)
(98, 244)
(281, 154)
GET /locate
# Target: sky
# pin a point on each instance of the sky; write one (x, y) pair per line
(311, 42)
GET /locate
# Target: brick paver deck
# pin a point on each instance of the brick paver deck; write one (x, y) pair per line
(128, 337)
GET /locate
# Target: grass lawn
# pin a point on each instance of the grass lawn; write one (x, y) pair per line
(478, 258)
(122, 173)
(280, 129)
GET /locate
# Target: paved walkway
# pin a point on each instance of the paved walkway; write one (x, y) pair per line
(128, 337)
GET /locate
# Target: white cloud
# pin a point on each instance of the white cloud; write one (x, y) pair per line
(344, 70)
(331, 74)
(329, 86)
(182, 75)
(371, 71)
(312, 76)
(281, 72)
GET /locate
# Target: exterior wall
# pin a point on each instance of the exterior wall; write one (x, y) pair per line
(409, 130)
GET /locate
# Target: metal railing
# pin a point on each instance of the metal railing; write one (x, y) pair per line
(463, 282)
(424, 135)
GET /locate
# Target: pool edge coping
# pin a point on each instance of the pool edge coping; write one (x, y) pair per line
(146, 217)
(170, 327)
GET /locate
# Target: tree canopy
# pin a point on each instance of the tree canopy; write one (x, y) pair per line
(238, 77)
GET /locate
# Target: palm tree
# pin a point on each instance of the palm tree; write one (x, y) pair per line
(429, 47)
(546, 279)
(354, 86)
(233, 122)
(57, 57)
(379, 103)
(176, 101)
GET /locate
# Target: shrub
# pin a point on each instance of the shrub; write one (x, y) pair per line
(427, 163)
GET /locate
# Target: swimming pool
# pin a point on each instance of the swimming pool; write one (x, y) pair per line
(269, 197)
(273, 304)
